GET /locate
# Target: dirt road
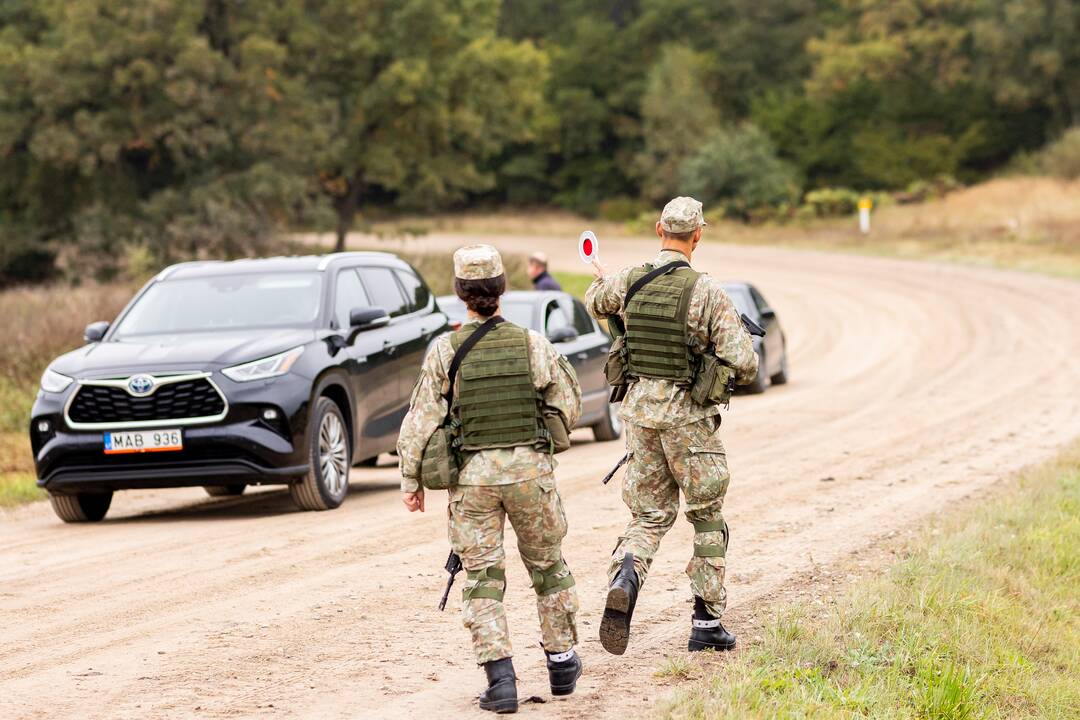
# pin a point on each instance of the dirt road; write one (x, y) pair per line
(913, 386)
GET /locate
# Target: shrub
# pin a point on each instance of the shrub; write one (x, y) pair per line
(832, 202)
(622, 209)
(737, 169)
(1060, 158)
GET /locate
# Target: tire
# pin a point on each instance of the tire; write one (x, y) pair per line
(761, 380)
(610, 428)
(781, 377)
(81, 507)
(327, 480)
(224, 490)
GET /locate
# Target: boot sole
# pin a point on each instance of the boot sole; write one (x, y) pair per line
(615, 626)
(500, 707)
(698, 646)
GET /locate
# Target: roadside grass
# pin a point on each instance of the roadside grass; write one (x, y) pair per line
(574, 283)
(1022, 223)
(982, 621)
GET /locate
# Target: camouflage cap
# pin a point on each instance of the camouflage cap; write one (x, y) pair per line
(682, 215)
(477, 262)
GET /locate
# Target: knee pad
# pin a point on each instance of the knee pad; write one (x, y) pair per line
(482, 584)
(553, 579)
(711, 550)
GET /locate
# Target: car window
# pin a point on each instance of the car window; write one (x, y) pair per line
(762, 306)
(582, 322)
(741, 299)
(348, 295)
(555, 318)
(415, 290)
(383, 290)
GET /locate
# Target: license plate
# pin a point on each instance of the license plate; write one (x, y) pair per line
(140, 441)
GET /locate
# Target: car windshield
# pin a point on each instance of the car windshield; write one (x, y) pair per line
(740, 296)
(518, 312)
(225, 302)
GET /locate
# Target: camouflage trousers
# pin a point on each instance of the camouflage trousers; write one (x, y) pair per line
(477, 518)
(690, 458)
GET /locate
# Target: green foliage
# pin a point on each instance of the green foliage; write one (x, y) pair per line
(832, 202)
(1060, 158)
(738, 169)
(981, 622)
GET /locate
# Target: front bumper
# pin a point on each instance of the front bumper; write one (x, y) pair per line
(241, 448)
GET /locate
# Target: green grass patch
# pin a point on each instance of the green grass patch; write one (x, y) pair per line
(982, 622)
(18, 488)
(574, 283)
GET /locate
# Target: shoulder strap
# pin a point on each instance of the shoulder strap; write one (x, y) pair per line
(652, 275)
(470, 342)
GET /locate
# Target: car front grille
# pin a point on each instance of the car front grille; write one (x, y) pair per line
(110, 405)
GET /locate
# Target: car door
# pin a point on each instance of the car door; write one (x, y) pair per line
(371, 372)
(591, 350)
(774, 339)
(418, 327)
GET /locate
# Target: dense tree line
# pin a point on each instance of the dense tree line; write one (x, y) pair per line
(178, 128)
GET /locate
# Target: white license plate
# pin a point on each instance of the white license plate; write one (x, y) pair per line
(143, 441)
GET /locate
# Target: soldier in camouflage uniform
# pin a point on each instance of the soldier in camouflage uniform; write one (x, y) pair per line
(513, 476)
(673, 441)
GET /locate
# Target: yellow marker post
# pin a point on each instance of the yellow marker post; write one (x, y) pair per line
(865, 203)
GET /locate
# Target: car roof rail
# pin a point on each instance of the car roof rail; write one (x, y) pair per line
(331, 257)
(173, 268)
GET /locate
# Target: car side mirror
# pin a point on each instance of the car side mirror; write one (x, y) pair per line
(562, 334)
(367, 318)
(95, 331)
(768, 314)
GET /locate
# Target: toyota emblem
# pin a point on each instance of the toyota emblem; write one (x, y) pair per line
(141, 385)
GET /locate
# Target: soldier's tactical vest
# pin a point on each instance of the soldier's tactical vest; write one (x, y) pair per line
(655, 317)
(497, 403)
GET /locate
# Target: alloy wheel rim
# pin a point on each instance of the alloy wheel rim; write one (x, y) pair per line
(613, 416)
(333, 454)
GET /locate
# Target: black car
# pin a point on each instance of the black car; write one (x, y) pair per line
(563, 320)
(772, 349)
(223, 374)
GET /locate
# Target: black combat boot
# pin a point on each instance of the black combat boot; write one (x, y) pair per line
(563, 671)
(621, 598)
(501, 693)
(707, 633)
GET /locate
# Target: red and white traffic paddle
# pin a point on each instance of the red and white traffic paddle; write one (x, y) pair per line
(588, 247)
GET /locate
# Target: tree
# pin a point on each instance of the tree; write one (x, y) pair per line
(414, 95)
(677, 116)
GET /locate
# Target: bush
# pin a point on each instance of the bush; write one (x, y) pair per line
(832, 202)
(1060, 158)
(737, 169)
(622, 209)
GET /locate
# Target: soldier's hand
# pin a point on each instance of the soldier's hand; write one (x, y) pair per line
(414, 501)
(598, 270)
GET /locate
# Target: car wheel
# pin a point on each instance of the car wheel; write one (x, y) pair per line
(761, 380)
(780, 377)
(224, 490)
(81, 507)
(610, 428)
(327, 480)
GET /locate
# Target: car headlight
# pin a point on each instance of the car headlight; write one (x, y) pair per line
(266, 368)
(54, 382)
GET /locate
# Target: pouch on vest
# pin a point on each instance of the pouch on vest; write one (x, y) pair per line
(714, 381)
(615, 367)
(560, 434)
(439, 466)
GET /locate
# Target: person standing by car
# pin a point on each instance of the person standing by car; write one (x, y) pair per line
(508, 387)
(674, 319)
(538, 273)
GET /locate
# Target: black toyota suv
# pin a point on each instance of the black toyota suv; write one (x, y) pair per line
(225, 374)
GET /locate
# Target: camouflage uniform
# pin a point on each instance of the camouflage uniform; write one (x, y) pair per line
(518, 483)
(674, 443)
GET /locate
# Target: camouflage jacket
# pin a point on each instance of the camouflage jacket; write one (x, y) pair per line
(711, 317)
(553, 376)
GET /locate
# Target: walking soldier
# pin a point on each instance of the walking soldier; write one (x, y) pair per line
(493, 402)
(683, 350)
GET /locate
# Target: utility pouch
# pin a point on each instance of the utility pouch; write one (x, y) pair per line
(439, 465)
(560, 434)
(713, 383)
(615, 367)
